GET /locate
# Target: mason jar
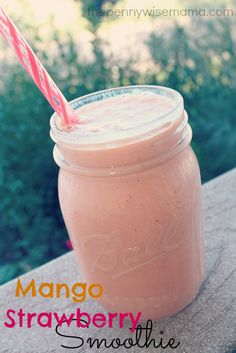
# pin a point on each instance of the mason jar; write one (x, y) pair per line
(130, 196)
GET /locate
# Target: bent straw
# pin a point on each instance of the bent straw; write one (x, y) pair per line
(35, 69)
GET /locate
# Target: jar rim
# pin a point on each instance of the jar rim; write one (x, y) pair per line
(134, 134)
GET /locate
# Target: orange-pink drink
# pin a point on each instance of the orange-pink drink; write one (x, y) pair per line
(130, 194)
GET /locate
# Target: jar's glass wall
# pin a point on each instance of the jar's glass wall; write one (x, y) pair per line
(137, 233)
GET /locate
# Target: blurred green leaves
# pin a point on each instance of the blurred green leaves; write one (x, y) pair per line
(200, 61)
(93, 11)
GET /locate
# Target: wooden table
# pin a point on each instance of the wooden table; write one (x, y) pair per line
(208, 325)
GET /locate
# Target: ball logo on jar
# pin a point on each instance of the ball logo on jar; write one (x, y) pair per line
(112, 256)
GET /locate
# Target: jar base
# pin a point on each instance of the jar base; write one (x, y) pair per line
(151, 313)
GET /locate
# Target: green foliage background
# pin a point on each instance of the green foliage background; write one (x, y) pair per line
(199, 62)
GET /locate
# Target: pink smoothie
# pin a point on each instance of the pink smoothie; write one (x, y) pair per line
(130, 194)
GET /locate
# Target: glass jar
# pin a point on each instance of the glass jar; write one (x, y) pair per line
(131, 203)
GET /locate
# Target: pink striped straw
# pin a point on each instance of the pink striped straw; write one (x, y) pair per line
(35, 69)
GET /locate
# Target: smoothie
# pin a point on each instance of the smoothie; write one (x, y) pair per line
(130, 194)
